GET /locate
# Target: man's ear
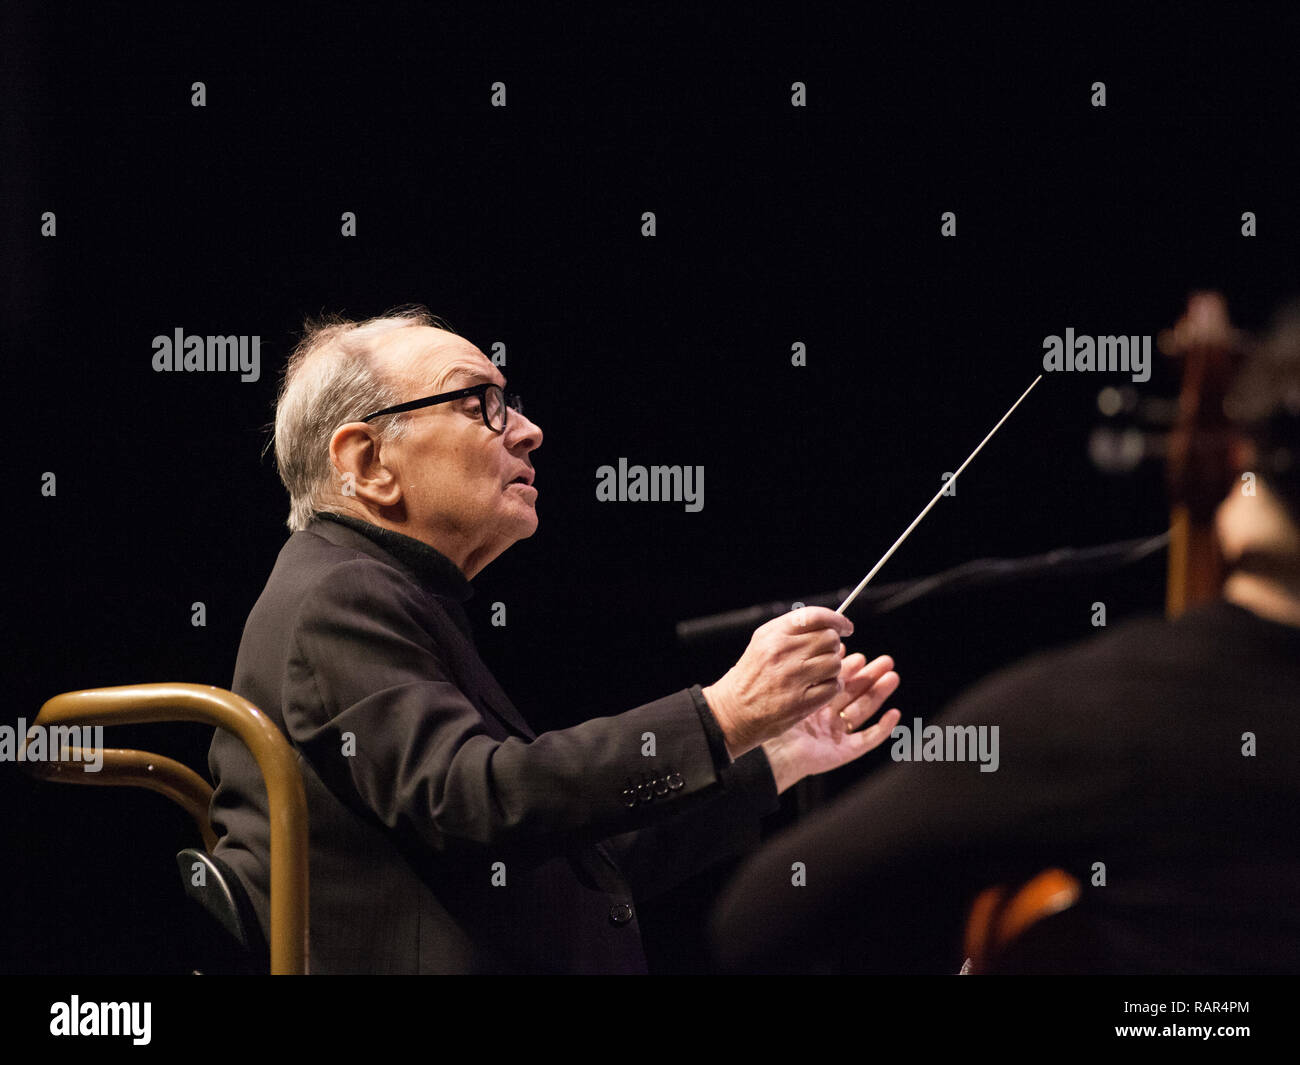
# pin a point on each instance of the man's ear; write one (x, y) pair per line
(361, 466)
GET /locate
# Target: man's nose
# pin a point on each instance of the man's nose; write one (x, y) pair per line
(522, 431)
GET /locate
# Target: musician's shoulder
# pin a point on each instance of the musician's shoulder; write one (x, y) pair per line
(1105, 668)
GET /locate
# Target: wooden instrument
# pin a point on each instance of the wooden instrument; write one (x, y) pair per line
(1199, 467)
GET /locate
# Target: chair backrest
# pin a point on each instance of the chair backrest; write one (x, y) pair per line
(136, 703)
(1002, 914)
(213, 885)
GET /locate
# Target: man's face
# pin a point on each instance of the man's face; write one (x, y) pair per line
(461, 482)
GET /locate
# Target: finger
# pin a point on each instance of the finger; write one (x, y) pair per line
(818, 695)
(871, 738)
(850, 670)
(853, 706)
(852, 665)
(864, 705)
(879, 666)
(810, 618)
(814, 642)
(867, 674)
(856, 744)
(858, 676)
(820, 669)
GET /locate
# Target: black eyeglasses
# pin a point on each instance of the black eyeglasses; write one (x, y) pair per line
(494, 404)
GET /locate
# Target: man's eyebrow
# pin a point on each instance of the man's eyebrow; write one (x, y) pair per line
(468, 374)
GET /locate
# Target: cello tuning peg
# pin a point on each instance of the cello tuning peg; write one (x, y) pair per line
(1120, 451)
(1112, 401)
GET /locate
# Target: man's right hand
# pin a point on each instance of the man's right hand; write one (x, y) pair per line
(790, 668)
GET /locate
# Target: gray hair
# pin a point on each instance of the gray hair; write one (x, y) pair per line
(331, 379)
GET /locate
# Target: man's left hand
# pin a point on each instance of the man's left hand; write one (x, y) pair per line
(832, 736)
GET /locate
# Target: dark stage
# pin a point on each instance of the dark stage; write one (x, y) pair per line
(845, 286)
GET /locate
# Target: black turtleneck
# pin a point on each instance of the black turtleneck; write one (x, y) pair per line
(433, 568)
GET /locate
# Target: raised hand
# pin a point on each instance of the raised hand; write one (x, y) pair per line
(832, 735)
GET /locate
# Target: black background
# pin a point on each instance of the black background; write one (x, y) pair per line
(522, 225)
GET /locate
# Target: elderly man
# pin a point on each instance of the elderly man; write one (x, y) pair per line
(446, 836)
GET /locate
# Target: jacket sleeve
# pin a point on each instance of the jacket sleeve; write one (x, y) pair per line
(661, 856)
(369, 702)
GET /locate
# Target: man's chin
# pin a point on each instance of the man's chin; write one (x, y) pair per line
(524, 525)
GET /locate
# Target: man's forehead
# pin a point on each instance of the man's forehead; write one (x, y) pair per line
(434, 358)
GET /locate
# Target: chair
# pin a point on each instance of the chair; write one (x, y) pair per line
(206, 878)
(1000, 916)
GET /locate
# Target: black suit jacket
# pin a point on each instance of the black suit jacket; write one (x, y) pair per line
(445, 836)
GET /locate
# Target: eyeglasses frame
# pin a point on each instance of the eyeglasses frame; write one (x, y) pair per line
(510, 401)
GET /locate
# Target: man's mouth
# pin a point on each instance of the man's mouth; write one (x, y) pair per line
(524, 478)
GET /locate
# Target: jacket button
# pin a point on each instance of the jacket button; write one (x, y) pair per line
(620, 913)
(675, 781)
(661, 785)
